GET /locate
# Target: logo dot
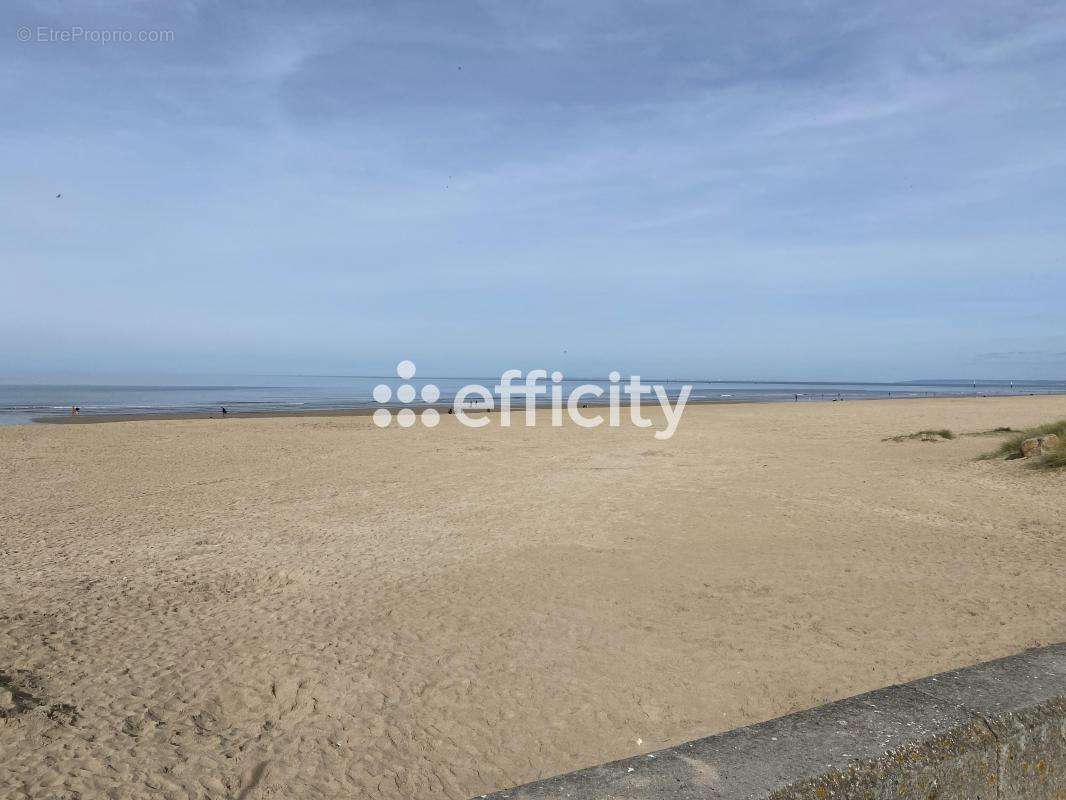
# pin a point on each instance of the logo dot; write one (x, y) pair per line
(406, 393)
(430, 417)
(406, 370)
(430, 393)
(405, 417)
(382, 418)
(382, 393)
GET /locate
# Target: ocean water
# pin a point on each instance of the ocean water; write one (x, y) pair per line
(22, 402)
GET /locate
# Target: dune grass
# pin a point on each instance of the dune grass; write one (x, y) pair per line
(925, 436)
(991, 432)
(1011, 446)
(1056, 459)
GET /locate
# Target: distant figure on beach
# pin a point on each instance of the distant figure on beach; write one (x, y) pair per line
(224, 411)
(74, 411)
(797, 398)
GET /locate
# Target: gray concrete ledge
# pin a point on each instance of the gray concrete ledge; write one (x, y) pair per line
(995, 731)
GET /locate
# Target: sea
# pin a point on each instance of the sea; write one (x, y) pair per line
(25, 401)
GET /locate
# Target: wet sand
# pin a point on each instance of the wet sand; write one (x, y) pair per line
(315, 607)
(163, 416)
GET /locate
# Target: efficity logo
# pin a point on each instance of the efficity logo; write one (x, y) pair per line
(584, 404)
(405, 417)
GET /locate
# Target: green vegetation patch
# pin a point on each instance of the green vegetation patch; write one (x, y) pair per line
(922, 436)
(991, 432)
(1011, 446)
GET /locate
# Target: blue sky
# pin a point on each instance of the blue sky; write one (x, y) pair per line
(721, 190)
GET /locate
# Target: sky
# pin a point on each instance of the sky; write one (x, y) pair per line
(722, 190)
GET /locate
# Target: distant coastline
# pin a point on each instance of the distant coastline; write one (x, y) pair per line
(366, 411)
(354, 395)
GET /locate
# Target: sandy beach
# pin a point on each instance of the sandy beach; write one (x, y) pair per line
(314, 607)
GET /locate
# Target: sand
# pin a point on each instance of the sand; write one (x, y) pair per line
(317, 608)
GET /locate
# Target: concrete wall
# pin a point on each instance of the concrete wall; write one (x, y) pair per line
(995, 730)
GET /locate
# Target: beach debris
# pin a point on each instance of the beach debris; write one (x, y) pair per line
(1039, 445)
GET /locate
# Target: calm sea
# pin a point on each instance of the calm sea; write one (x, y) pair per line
(22, 402)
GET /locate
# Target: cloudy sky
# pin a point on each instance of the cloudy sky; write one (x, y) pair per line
(707, 189)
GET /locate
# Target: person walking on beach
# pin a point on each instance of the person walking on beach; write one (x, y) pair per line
(224, 411)
(74, 411)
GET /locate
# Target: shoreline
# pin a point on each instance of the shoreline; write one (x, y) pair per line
(366, 411)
